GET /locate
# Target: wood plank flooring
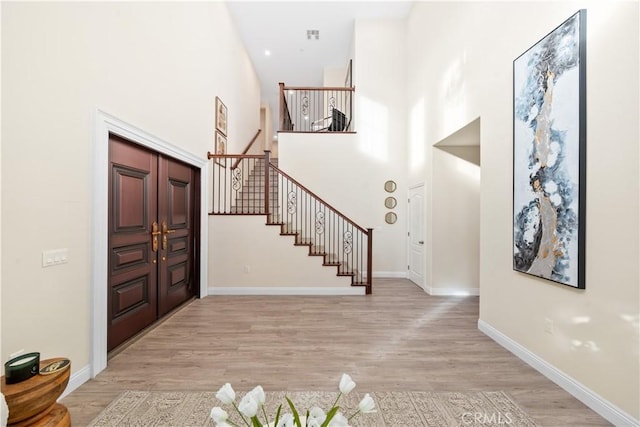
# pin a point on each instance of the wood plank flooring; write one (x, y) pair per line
(398, 339)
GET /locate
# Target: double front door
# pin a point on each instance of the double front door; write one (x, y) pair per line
(152, 236)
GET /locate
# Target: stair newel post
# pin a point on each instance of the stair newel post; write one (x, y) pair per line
(281, 118)
(369, 259)
(267, 167)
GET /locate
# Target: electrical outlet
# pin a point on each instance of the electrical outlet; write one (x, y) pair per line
(548, 325)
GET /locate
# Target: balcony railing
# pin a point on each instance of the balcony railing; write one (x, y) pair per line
(316, 109)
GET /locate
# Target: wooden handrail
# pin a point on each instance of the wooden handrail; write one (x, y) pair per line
(319, 89)
(211, 155)
(301, 106)
(258, 187)
(235, 164)
(274, 167)
(266, 156)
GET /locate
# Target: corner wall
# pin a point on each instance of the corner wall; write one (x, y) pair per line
(157, 66)
(456, 238)
(460, 68)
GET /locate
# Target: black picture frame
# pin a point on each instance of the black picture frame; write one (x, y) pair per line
(549, 155)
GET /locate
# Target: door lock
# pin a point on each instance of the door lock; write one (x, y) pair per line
(154, 236)
(165, 231)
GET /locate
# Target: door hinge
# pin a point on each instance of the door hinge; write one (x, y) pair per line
(408, 267)
(408, 233)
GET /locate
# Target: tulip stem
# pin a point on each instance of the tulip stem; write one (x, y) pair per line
(266, 419)
(337, 398)
(241, 416)
(354, 414)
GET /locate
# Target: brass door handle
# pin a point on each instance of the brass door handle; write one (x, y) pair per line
(154, 234)
(165, 228)
(165, 231)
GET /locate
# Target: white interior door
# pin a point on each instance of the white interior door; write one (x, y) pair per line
(416, 237)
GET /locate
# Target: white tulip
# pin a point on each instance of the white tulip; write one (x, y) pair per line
(4, 411)
(285, 421)
(219, 415)
(339, 420)
(367, 404)
(346, 384)
(316, 415)
(226, 394)
(248, 405)
(258, 395)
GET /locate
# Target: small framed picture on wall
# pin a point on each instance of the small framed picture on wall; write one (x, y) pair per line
(221, 147)
(221, 117)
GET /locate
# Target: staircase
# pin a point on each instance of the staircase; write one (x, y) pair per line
(241, 184)
(250, 198)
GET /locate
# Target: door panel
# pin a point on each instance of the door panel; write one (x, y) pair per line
(416, 235)
(132, 294)
(147, 280)
(176, 201)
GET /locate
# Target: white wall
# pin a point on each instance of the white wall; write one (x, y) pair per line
(157, 66)
(456, 238)
(250, 254)
(380, 113)
(460, 69)
(334, 76)
(339, 169)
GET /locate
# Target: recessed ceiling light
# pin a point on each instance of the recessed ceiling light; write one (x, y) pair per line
(267, 52)
(313, 34)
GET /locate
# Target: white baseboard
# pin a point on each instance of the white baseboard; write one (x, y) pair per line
(286, 290)
(453, 292)
(76, 380)
(389, 274)
(603, 407)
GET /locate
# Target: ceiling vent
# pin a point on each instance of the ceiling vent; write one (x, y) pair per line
(313, 34)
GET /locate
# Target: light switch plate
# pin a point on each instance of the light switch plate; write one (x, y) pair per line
(55, 257)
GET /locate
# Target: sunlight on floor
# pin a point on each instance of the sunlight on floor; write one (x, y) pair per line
(432, 314)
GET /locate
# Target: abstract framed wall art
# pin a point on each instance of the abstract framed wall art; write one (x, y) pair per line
(549, 155)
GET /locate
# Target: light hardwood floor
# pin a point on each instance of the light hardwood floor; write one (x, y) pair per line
(398, 339)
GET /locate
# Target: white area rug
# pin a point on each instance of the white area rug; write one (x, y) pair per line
(191, 409)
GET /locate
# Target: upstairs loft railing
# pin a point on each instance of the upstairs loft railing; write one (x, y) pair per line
(253, 185)
(316, 109)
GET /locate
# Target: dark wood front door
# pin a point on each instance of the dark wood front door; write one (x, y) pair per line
(152, 233)
(177, 225)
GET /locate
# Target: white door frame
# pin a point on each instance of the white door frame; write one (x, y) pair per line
(104, 125)
(423, 285)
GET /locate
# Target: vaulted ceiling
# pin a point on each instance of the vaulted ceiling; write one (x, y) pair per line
(275, 36)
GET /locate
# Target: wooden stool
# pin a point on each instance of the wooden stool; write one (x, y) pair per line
(33, 402)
